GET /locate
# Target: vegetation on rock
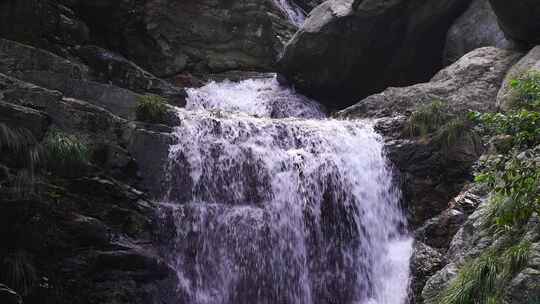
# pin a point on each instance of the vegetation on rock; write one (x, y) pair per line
(66, 154)
(151, 108)
(512, 174)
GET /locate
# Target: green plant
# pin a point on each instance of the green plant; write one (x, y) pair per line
(482, 280)
(151, 108)
(450, 133)
(427, 119)
(19, 272)
(514, 181)
(66, 154)
(526, 91)
(523, 125)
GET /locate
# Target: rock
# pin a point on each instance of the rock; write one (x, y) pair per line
(519, 19)
(438, 232)
(432, 176)
(115, 69)
(425, 262)
(476, 28)
(531, 62)
(44, 23)
(22, 117)
(343, 53)
(151, 152)
(88, 230)
(472, 83)
(437, 283)
(8, 296)
(308, 5)
(169, 37)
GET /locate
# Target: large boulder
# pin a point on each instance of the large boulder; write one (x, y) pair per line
(349, 49)
(519, 19)
(476, 28)
(433, 174)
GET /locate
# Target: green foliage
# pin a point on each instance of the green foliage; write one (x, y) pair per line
(450, 133)
(514, 181)
(427, 119)
(482, 280)
(151, 108)
(19, 272)
(66, 154)
(523, 125)
(526, 91)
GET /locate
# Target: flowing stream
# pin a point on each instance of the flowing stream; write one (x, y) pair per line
(269, 202)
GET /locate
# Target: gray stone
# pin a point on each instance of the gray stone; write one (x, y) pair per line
(472, 83)
(519, 19)
(348, 49)
(425, 262)
(476, 28)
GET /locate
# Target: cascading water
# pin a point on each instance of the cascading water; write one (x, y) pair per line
(296, 14)
(269, 202)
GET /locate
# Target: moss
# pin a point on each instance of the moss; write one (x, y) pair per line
(151, 108)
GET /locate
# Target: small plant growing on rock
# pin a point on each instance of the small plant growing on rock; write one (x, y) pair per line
(526, 89)
(151, 108)
(427, 119)
(66, 154)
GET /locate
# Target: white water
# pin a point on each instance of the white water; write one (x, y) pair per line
(281, 210)
(296, 14)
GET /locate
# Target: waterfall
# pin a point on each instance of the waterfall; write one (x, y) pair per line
(269, 202)
(295, 13)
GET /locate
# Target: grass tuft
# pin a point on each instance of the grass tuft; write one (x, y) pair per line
(66, 154)
(481, 281)
(427, 119)
(151, 108)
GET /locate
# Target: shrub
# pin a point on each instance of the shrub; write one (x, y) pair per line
(66, 154)
(427, 119)
(482, 280)
(151, 108)
(526, 91)
(523, 125)
(514, 181)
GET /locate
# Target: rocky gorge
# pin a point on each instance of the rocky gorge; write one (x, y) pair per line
(149, 154)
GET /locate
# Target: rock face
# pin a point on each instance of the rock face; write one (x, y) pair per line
(471, 241)
(476, 28)
(97, 226)
(432, 176)
(531, 62)
(519, 19)
(166, 37)
(348, 49)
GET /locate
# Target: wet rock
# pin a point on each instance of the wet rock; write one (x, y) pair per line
(151, 151)
(476, 28)
(425, 262)
(432, 176)
(9, 296)
(89, 231)
(22, 117)
(117, 70)
(519, 19)
(47, 24)
(338, 56)
(531, 62)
